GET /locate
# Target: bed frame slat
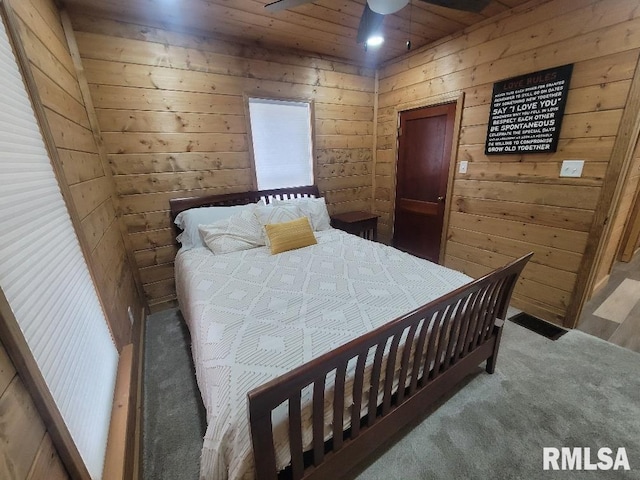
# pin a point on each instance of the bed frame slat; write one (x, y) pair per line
(471, 312)
(461, 332)
(486, 314)
(358, 385)
(338, 407)
(474, 321)
(443, 339)
(375, 384)
(456, 326)
(429, 323)
(262, 441)
(432, 346)
(404, 366)
(484, 319)
(490, 315)
(318, 420)
(390, 373)
(295, 436)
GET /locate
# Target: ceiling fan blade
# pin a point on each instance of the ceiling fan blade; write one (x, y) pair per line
(370, 23)
(475, 6)
(279, 5)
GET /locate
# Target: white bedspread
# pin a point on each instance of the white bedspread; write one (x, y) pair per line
(254, 316)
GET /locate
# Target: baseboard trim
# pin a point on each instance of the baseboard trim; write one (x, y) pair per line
(136, 428)
(116, 455)
(122, 459)
(596, 288)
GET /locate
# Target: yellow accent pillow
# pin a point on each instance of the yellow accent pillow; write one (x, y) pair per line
(290, 235)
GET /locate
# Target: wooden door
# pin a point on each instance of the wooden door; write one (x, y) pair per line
(424, 154)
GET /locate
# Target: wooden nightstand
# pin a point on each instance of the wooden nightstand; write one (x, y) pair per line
(363, 224)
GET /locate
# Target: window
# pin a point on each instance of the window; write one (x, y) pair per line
(282, 144)
(45, 278)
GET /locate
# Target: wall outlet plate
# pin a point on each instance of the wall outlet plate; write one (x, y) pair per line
(463, 166)
(571, 168)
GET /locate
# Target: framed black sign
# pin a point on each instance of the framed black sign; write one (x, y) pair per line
(526, 112)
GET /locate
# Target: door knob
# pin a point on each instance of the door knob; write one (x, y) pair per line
(440, 199)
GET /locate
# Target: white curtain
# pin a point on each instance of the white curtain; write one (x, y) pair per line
(45, 277)
(282, 148)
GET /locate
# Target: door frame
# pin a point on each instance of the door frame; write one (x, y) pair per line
(631, 232)
(456, 97)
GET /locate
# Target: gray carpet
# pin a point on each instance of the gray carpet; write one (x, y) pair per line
(174, 420)
(576, 392)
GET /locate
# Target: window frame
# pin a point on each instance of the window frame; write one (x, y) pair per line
(312, 130)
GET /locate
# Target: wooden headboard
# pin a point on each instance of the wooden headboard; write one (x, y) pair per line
(178, 205)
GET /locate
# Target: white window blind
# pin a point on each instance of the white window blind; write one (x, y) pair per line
(45, 278)
(282, 145)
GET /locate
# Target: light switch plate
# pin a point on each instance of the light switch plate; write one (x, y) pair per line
(572, 168)
(463, 166)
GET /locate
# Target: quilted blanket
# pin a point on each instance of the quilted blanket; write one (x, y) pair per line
(254, 316)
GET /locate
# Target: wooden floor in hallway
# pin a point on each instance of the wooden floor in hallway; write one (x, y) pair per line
(613, 314)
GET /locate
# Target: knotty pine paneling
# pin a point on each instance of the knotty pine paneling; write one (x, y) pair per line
(631, 237)
(619, 220)
(505, 206)
(92, 191)
(171, 109)
(26, 450)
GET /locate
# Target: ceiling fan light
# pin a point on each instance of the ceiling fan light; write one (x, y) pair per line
(375, 41)
(385, 7)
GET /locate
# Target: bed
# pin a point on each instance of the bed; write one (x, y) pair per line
(309, 360)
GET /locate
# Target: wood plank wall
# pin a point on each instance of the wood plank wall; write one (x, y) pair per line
(631, 240)
(26, 450)
(627, 216)
(505, 206)
(172, 115)
(621, 218)
(93, 193)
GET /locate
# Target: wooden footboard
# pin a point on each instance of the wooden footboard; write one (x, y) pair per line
(432, 348)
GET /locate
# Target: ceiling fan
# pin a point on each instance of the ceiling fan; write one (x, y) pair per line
(375, 10)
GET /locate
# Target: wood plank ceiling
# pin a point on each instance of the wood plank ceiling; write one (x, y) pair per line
(326, 27)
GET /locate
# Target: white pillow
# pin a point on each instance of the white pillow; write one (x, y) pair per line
(238, 232)
(276, 214)
(189, 220)
(314, 208)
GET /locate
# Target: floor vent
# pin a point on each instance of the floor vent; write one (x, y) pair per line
(539, 326)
